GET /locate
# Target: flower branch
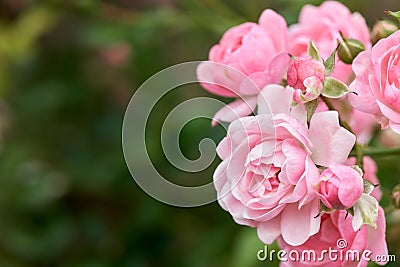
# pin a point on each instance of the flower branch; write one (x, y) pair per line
(378, 151)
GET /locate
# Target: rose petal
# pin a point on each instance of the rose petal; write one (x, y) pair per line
(275, 99)
(276, 27)
(236, 109)
(331, 142)
(376, 237)
(270, 230)
(293, 219)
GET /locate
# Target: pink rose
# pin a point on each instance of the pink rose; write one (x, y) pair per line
(323, 25)
(370, 174)
(337, 234)
(267, 174)
(378, 82)
(247, 58)
(340, 187)
(307, 76)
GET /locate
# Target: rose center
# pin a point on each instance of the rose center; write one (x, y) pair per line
(261, 185)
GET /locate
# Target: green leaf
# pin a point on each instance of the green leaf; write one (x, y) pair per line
(323, 208)
(313, 51)
(329, 63)
(334, 88)
(359, 170)
(365, 212)
(368, 186)
(311, 106)
(351, 211)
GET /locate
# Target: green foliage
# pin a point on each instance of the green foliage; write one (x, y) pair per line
(334, 88)
(313, 51)
(311, 106)
(329, 63)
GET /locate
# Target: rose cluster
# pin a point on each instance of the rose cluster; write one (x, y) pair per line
(306, 97)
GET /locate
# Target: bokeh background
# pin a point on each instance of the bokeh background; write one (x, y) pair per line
(68, 69)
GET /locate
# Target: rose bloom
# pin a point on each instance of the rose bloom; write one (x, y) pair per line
(323, 25)
(377, 82)
(267, 175)
(247, 58)
(336, 233)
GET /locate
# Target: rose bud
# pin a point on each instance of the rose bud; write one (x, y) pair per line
(302, 68)
(340, 187)
(395, 196)
(382, 29)
(306, 75)
(349, 49)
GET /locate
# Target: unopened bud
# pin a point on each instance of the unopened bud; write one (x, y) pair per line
(395, 196)
(382, 29)
(348, 49)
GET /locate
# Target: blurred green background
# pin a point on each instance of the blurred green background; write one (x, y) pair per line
(68, 69)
